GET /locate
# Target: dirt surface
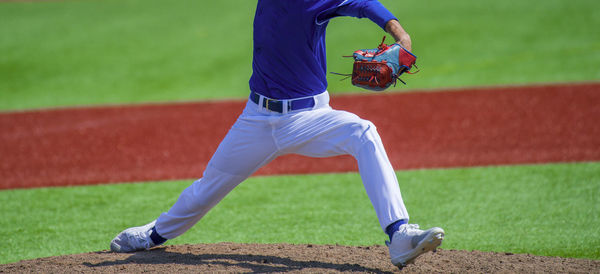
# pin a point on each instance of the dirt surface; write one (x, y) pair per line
(232, 257)
(475, 127)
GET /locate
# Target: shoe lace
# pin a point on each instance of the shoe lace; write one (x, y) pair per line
(140, 239)
(412, 226)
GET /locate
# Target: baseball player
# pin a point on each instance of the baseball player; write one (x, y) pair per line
(288, 112)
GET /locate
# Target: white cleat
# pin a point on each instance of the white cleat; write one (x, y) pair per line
(133, 239)
(409, 242)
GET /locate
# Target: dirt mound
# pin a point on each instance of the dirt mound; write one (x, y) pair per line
(233, 257)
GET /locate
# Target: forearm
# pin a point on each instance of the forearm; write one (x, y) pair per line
(401, 37)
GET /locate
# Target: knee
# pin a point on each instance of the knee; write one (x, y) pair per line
(365, 135)
(368, 132)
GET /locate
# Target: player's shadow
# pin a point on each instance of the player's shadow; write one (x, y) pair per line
(253, 263)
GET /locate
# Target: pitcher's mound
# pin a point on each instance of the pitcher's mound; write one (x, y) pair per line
(308, 258)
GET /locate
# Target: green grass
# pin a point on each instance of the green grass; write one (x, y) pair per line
(551, 210)
(64, 53)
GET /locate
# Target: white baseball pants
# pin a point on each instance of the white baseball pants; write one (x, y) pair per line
(259, 136)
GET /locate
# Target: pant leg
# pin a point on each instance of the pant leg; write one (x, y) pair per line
(327, 132)
(247, 146)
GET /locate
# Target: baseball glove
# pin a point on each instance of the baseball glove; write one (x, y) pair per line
(377, 69)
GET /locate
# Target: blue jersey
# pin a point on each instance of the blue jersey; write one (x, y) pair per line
(289, 43)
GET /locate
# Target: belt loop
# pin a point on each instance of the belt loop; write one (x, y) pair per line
(316, 100)
(260, 102)
(284, 106)
(321, 99)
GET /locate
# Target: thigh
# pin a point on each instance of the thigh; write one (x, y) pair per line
(247, 146)
(323, 133)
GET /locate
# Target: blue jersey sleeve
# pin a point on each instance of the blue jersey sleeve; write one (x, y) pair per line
(371, 9)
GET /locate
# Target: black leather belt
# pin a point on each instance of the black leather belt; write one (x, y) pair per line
(278, 105)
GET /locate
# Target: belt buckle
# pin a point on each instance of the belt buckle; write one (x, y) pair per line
(267, 102)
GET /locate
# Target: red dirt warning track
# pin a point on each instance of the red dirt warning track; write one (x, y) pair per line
(474, 127)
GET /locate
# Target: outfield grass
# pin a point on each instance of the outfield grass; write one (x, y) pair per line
(63, 53)
(551, 209)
